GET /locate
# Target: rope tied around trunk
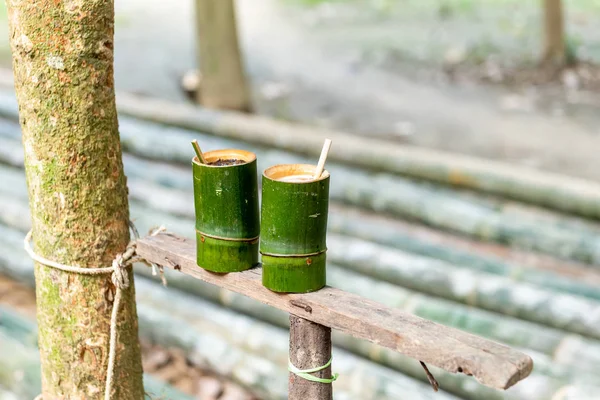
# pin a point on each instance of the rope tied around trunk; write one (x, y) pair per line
(120, 279)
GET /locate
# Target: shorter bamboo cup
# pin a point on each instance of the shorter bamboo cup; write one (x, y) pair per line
(293, 228)
(227, 212)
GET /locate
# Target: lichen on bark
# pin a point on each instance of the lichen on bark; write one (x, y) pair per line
(63, 67)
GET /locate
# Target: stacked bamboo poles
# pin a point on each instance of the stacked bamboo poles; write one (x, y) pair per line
(555, 191)
(210, 339)
(437, 278)
(442, 208)
(226, 208)
(364, 225)
(171, 179)
(500, 328)
(153, 217)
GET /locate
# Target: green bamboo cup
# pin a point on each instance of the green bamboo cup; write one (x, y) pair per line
(227, 213)
(293, 228)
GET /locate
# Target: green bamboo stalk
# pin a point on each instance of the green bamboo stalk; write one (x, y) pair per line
(294, 225)
(227, 216)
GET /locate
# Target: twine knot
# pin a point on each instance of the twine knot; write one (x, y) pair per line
(119, 277)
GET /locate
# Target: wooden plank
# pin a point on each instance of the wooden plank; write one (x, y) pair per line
(492, 364)
(310, 347)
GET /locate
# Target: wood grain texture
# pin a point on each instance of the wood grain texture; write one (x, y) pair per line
(492, 364)
(310, 347)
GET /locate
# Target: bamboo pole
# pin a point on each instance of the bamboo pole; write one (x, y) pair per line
(557, 275)
(310, 347)
(568, 194)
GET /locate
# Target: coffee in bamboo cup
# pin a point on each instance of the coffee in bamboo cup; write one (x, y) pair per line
(293, 245)
(227, 211)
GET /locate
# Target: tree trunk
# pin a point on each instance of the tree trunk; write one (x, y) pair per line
(63, 67)
(223, 81)
(554, 33)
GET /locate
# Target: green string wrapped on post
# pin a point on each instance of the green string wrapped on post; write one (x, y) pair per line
(227, 211)
(306, 373)
(294, 224)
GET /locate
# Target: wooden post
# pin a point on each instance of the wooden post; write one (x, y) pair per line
(310, 347)
(223, 80)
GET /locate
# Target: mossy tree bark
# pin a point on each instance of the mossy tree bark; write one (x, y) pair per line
(63, 67)
(554, 33)
(223, 80)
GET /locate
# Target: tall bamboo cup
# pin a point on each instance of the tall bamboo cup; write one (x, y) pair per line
(227, 212)
(294, 223)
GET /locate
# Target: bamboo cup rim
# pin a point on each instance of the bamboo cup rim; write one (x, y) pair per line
(235, 154)
(281, 171)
